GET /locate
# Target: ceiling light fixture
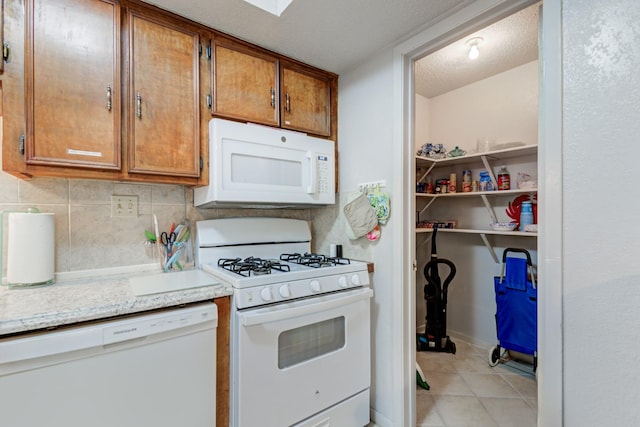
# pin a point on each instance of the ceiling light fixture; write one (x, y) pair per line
(275, 7)
(472, 44)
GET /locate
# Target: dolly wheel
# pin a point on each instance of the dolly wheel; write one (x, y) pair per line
(494, 355)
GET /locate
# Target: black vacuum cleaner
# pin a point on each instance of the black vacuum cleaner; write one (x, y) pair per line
(435, 336)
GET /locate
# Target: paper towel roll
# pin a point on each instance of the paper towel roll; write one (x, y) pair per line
(31, 249)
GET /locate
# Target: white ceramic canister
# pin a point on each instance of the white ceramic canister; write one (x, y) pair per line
(30, 248)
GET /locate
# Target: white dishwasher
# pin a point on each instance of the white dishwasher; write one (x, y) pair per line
(150, 370)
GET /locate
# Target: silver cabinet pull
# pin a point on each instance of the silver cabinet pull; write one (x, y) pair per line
(6, 52)
(108, 97)
(287, 105)
(273, 98)
(138, 105)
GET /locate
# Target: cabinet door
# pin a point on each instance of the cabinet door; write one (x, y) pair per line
(244, 83)
(73, 83)
(306, 101)
(164, 114)
(2, 35)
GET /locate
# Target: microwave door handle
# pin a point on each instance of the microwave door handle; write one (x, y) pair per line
(259, 318)
(313, 172)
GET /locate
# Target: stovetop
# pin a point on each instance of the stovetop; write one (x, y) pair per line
(269, 260)
(271, 280)
(256, 266)
(256, 271)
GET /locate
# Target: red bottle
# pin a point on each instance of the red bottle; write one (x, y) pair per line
(504, 180)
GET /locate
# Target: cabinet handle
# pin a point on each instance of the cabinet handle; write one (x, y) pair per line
(6, 52)
(138, 105)
(287, 105)
(273, 98)
(108, 97)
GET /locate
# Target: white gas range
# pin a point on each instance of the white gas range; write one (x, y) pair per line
(300, 322)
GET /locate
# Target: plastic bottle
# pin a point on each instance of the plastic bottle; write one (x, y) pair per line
(485, 181)
(526, 214)
(504, 180)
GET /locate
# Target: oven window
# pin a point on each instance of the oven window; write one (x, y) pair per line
(310, 341)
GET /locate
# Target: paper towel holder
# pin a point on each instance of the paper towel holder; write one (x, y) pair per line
(22, 245)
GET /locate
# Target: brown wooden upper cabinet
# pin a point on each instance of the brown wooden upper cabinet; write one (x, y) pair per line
(72, 79)
(114, 89)
(306, 100)
(245, 83)
(5, 49)
(251, 84)
(164, 114)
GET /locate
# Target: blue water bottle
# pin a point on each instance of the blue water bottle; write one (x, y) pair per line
(526, 214)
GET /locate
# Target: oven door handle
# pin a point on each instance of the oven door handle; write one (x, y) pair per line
(259, 317)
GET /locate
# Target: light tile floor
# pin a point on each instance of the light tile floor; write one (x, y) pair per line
(466, 391)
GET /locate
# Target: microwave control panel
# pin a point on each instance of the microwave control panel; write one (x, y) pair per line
(323, 174)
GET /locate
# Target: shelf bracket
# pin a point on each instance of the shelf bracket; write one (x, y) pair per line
(427, 206)
(490, 247)
(424, 175)
(489, 207)
(426, 240)
(494, 182)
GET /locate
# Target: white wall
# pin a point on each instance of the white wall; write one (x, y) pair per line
(601, 272)
(422, 116)
(504, 106)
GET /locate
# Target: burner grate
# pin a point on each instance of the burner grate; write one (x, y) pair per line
(314, 260)
(251, 266)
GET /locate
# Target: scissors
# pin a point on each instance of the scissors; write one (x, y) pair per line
(167, 241)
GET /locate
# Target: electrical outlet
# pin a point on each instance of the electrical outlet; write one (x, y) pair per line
(124, 206)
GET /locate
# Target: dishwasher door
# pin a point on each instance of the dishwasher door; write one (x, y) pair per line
(150, 370)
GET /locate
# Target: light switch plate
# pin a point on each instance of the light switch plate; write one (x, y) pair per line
(124, 206)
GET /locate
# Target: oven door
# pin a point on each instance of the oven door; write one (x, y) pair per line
(297, 359)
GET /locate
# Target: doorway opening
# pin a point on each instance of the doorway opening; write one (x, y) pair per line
(407, 53)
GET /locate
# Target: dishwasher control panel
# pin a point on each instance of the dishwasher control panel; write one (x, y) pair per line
(156, 323)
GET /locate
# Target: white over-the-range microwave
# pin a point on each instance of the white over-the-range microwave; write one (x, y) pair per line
(254, 165)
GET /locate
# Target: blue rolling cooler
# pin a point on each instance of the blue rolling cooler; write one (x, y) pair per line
(516, 307)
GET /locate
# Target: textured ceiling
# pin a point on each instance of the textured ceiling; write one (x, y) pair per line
(330, 34)
(336, 35)
(506, 44)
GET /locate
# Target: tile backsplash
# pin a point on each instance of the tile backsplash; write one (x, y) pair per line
(87, 237)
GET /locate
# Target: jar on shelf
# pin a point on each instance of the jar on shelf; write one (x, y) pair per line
(504, 180)
(453, 185)
(466, 181)
(485, 182)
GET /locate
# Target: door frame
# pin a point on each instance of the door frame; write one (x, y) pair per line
(475, 16)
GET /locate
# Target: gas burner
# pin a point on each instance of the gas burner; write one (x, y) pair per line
(251, 266)
(339, 260)
(314, 260)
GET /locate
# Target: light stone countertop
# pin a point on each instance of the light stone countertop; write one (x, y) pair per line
(79, 299)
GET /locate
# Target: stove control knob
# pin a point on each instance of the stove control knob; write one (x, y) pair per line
(266, 294)
(284, 291)
(315, 286)
(342, 281)
(355, 280)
